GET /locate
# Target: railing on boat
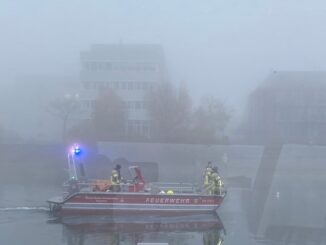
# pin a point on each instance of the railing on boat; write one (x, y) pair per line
(154, 187)
(175, 187)
(91, 183)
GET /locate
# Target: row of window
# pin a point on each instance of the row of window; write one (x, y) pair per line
(128, 105)
(138, 127)
(121, 85)
(119, 66)
(308, 97)
(302, 114)
(88, 104)
(135, 105)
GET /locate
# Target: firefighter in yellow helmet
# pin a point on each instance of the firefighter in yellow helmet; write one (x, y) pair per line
(115, 181)
(207, 175)
(170, 192)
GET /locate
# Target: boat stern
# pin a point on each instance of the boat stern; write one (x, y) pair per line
(55, 204)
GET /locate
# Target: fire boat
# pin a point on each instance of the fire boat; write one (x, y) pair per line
(93, 196)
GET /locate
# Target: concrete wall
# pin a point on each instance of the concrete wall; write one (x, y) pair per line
(32, 163)
(184, 162)
(297, 196)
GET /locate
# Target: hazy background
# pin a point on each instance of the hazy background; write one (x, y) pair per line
(224, 47)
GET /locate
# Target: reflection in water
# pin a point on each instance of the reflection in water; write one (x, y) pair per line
(213, 238)
(288, 200)
(296, 235)
(194, 229)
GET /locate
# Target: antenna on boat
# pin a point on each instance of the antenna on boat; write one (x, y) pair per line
(72, 153)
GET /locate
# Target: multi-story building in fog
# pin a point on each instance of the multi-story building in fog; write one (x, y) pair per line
(128, 69)
(289, 107)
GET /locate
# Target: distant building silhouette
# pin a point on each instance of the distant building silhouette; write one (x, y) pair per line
(289, 107)
(128, 69)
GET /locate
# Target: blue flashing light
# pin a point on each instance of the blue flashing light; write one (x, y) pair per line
(76, 150)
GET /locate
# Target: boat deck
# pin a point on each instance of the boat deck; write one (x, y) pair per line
(57, 199)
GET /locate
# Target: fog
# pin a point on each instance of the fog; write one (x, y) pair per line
(223, 46)
(246, 89)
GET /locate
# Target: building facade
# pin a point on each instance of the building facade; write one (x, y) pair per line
(130, 70)
(289, 107)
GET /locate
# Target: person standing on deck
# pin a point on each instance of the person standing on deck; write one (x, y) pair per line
(207, 174)
(118, 168)
(216, 184)
(115, 181)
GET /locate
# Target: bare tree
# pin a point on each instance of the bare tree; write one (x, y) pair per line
(63, 108)
(170, 110)
(109, 116)
(209, 120)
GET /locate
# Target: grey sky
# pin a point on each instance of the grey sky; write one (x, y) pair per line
(220, 47)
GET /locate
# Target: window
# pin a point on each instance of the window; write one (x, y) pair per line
(86, 104)
(145, 105)
(149, 67)
(100, 66)
(100, 85)
(94, 85)
(86, 65)
(138, 85)
(92, 103)
(137, 105)
(138, 127)
(93, 66)
(144, 85)
(108, 66)
(130, 86)
(145, 128)
(87, 85)
(130, 127)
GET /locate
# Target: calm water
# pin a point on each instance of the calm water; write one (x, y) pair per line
(285, 204)
(24, 219)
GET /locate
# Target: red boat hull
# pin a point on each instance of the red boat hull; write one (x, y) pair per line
(138, 203)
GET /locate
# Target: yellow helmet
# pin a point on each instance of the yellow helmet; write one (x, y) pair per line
(170, 192)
